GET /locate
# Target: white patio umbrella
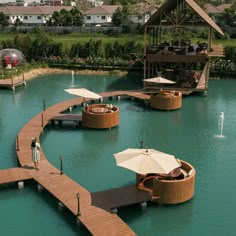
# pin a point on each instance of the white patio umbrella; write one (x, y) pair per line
(144, 161)
(82, 92)
(159, 80)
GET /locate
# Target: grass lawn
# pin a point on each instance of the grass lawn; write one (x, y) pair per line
(69, 39)
(83, 37)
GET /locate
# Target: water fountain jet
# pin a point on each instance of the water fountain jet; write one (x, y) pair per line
(72, 79)
(221, 125)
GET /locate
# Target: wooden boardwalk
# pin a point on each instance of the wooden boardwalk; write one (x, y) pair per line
(77, 119)
(97, 220)
(119, 197)
(12, 83)
(14, 175)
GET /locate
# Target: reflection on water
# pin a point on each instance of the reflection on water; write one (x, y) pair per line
(188, 133)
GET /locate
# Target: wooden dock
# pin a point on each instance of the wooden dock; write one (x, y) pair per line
(12, 83)
(77, 119)
(119, 197)
(14, 175)
(71, 194)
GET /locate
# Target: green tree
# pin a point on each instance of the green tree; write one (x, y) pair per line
(18, 22)
(22, 42)
(78, 19)
(67, 18)
(229, 16)
(41, 47)
(120, 17)
(117, 18)
(3, 19)
(55, 19)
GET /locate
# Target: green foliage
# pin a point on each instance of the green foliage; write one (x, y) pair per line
(230, 53)
(78, 19)
(66, 18)
(18, 22)
(22, 42)
(117, 18)
(38, 30)
(215, 2)
(3, 20)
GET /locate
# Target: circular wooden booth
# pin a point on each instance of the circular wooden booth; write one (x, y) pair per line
(168, 189)
(100, 116)
(166, 100)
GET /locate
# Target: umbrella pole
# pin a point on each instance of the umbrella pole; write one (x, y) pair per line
(141, 144)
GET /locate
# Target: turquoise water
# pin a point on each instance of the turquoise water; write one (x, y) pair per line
(190, 133)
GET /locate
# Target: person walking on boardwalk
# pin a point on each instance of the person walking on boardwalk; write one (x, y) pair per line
(35, 146)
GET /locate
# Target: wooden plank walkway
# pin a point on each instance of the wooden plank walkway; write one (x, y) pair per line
(67, 117)
(95, 219)
(119, 197)
(12, 83)
(14, 175)
(77, 119)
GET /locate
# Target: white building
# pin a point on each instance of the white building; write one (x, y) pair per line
(139, 18)
(100, 14)
(95, 3)
(103, 14)
(31, 15)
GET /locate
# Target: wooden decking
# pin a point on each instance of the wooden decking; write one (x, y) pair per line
(77, 119)
(14, 175)
(12, 83)
(119, 197)
(97, 220)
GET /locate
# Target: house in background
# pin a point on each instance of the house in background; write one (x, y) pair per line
(141, 12)
(100, 14)
(216, 11)
(95, 3)
(139, 17)
(138, 13)
(31, 15)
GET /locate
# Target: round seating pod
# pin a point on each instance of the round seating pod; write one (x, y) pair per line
(100, 116)
(166, 100)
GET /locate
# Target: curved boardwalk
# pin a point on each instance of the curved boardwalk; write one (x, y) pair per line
(96, 220)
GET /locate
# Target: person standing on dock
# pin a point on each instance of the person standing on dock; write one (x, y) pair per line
(35, 146)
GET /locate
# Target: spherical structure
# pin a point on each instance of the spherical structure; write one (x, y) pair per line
(11, 57)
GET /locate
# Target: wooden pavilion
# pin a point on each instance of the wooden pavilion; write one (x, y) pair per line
(170, 52)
